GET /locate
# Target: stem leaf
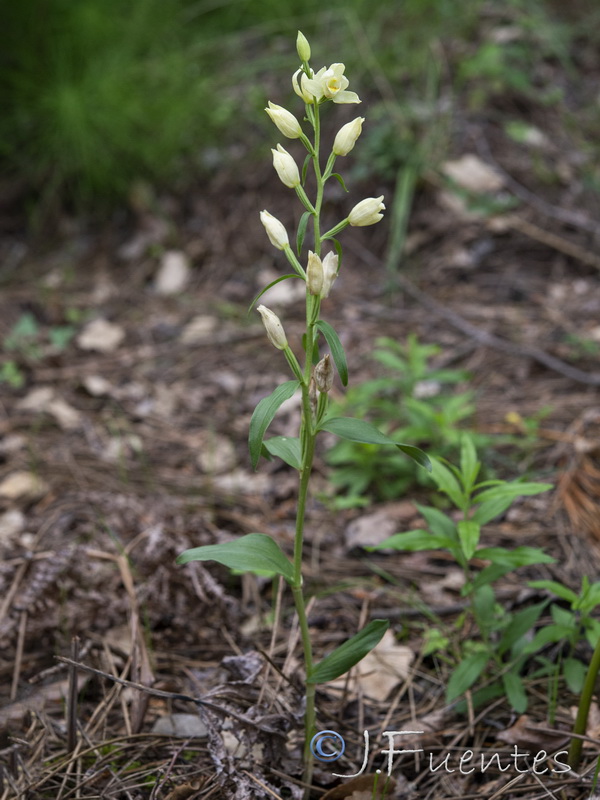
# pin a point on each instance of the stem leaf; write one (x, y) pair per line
(339, 178)
(263, 416)
(302, 230)
(287, 448)
(270, 286)
(337, 351)
(465, 675)
(255, 551)
(349, 653)
(359, 430)
(468, 533)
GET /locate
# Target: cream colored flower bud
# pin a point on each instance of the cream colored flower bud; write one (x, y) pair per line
(314, 274)
(286, 167)
(300, 83)
(285, 121)
(324, 374)
(275, 230)
(367, 212)
(273, 327)
(303, 47)
(330, 271)
(346, 136)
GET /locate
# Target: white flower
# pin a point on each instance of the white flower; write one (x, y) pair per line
(346, 136)
(367, 212)
(331, 83)
(273, 327)
(275, 230)
(300, 85)
(330, 271)
(286, 167)
(285, 121)
(314, 274)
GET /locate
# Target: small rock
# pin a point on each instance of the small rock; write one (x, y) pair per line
(174, 273)
(68, 418)
(101, 335)
(473, 174)
(186, 726)
(198, 330)
(11, 523)
(97, 386)
(216, 455)
(37, 399)
(23, 486)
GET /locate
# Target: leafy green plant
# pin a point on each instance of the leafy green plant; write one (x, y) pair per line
(501, 647)
(26, 341)
(412, 402)
(570, 625)
(313, 379)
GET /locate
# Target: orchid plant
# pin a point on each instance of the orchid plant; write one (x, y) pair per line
(312, 373)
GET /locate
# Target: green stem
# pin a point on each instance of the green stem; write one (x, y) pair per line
(583, 711)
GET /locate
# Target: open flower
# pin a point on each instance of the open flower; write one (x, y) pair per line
(275, 230)
(286, 167)
(285, 121)
(367, 212)
(346, 136)
(273, 327)
(331, 83)
(300, 82)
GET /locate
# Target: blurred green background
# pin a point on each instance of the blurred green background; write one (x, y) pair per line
(97, 94)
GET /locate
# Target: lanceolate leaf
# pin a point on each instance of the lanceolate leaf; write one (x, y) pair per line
(468, 532)
(270, 286)
(411, 541)
(302, 231)
(349, 653)
(465, 675)
(255, 551)
(339, 178)
(263, 416)
(337, 351)
(287, 448)
(359, 430)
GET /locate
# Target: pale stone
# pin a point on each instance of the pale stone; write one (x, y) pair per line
(173, 274)
(101, 335)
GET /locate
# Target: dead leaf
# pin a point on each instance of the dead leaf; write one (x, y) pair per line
(526, 733)
(372, 529)
(186, 726)
(199, 330)
(473, 174)
(381, 670)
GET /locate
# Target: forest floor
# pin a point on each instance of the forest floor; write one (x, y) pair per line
(119, 452)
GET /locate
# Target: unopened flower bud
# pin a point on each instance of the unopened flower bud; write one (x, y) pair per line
(285, 121)
(314, 274)
(303, 47)
(299, 82)
(275, 230)
(273, 327)
(324, 374)
(286, 167)
(330, 271)
(367, 212)
(346, 136)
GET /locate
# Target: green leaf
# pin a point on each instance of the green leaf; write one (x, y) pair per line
(515, 691)
(468, 533)
(305, 168)
(488, 511)
(547, 635)
(519, 557)
(491, 574)
(255, 551)
(337, 351)
(513, 489)
(412, 541)
(263, 416)
(574, 672)
(469, 466)
(521, 622)
(349, 653)
(302, 225)
(446, 482)
(359, 430)
(287, 448)
(557, 588)
(270, 286)
(339, 178)
(338, 250)
(439, 522)
(465, 675)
